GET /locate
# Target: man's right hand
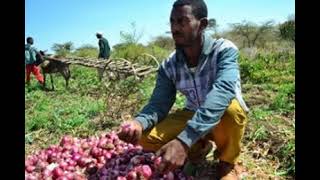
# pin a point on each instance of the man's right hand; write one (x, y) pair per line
(133, 133)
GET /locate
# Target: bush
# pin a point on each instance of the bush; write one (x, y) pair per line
(285, 98)
(86, 51)
(128, 51)
(266, 67)
(158, 52)
(134, 53)
(164, 42)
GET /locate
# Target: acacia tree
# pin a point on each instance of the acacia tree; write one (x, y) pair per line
(250, 32)
(132, 37)
(287, 29)
(63, 49)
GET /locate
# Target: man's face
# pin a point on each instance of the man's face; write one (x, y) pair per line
(30, 41)
(185, 27)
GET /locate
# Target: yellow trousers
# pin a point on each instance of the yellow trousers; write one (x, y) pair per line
(227, 134)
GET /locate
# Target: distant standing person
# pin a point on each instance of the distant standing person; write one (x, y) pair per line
(30, 61)
(104, 51)
(104, 48)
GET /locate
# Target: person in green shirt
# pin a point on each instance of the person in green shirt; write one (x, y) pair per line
(104, 51)
(104, 48)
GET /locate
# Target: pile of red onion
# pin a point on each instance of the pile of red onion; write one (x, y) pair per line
(99, 158)
(135, 164)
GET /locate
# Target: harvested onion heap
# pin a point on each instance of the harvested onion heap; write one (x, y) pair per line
(135, 164)
(96, 158)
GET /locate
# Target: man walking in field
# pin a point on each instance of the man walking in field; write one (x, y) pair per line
(206, 71)
(30, 60)
(104, 51)
(104, 48)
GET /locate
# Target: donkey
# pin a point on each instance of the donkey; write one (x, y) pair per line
(50, 66)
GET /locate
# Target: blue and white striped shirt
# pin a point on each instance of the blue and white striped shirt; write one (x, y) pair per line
(209, 90)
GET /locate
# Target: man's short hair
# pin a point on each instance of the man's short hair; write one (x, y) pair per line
(199, 7)
(29, 39)
(99, 33)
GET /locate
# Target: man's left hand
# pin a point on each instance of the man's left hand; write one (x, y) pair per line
(174, 153)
